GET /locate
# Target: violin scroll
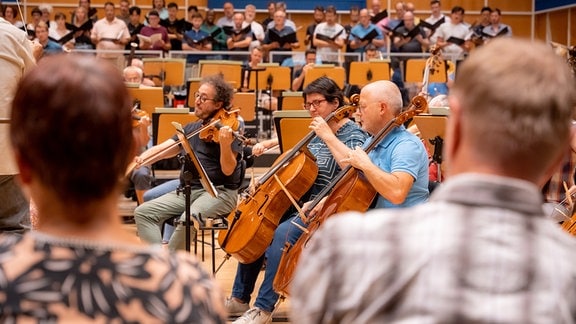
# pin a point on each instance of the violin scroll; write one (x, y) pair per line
(223, 118)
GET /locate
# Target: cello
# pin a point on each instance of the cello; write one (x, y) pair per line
(257, 215)
(349, 190)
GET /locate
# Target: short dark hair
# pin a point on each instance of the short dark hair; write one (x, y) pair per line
(172, 5)
(434, 2)
(319, 8)
(498, 11)
(135, 9)
(309, 51)
(153, 13)
(192, 7)
(325, 87)
(331, 9)
(486, 9)
(197, 15)
(36, 10)
(224, 90)
(457, 9)
(49, 126)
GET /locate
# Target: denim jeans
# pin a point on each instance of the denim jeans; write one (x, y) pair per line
(14, 207)
(247, 274)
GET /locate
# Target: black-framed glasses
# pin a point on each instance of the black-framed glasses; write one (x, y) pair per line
(202, 97)
(315, 103)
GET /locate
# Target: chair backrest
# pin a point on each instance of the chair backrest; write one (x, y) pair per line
(292, 100)
(149, 98)
(414, 71)
(165, 71)
(291, 126)
(362, 73)
(246, 102)
(230, 70)
(165, 129)
(192, 88)
(337, 74)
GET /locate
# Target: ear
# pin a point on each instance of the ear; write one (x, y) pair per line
(453, 135)
(24, 169)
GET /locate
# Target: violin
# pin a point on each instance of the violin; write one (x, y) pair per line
(224, 118)
(257, 215)
(349, 190)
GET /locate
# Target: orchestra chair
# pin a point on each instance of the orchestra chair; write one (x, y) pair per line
(362, 73)
(245, 101)
(414, 71)
(291, 100)
(335, 73)
(149, 97)
(162, 128)
(192, 87)
(165, 71)
(291, 126)
(231, 70)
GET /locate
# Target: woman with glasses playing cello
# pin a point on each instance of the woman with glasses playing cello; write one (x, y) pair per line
(216, 155)
(322, 97)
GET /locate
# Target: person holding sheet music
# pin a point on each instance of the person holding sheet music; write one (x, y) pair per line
(134, 25)
(329, 37)
(50, 47)
(60, 31)
(175, 27)
(410, 38)
(110, 33)
(239, 36)
(318, 16)
(158, 34)
(82, 29)
(453, 37)
(258, 33)
(280, 38)
(218, 36)
(436, 19)
(36, 18)
(496, 28)
(281, 6)
(478, 27)
(365, 33)
(195, 39)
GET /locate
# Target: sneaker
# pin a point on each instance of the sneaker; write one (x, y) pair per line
(255, 316)
(234, 307)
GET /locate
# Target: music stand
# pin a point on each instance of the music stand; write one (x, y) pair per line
(336, 74)
(170, 71)
(253, 74)
(273, 78)
(362, 73)
(291, 127)
(432, 129)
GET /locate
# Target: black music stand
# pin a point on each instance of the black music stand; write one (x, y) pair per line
(256, 87)
(186, 189)
(274, 78)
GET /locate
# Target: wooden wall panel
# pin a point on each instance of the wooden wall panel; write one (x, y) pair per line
(507, 5)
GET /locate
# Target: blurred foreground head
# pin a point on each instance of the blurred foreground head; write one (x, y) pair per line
(511, 110)
(72, 129)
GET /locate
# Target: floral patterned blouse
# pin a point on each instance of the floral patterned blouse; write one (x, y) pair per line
(50, 279)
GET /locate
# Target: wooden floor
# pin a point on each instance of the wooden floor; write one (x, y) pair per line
(225, 276)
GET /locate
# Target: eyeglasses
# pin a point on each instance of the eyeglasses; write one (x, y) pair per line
(202, 97)
(314, 103)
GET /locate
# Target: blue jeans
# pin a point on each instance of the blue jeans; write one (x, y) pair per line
(247, 274)
(162, 189)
